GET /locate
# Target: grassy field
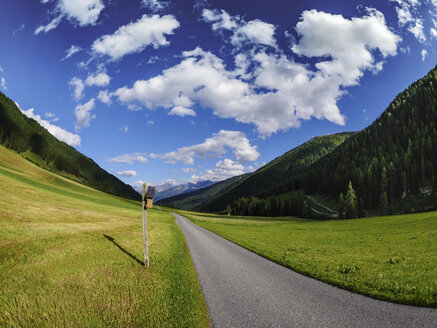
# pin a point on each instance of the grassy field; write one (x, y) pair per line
(71, 256)
(383, 257)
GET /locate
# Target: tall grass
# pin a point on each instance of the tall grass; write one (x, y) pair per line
(70, 256)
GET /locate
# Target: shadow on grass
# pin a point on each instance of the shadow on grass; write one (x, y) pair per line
(123, 250)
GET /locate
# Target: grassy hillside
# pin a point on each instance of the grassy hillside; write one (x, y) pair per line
(71, 256)
(391, 163)
(388, 257)
(35, 143)
(194, 200)
(281, 169)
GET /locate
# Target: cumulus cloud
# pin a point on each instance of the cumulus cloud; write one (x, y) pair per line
(81, 12)
(100, 80)
(3, 84)
(223, 169)
(155, 5)
(348, 43)
(188, 170)
(291, 92)
(129, 158)
(71, 51)
(83, 114)
(217, 145)
(182, 111)
(136, 36)
(255, 31)
(127, 173)
(61, 134)
(78, 86)
(104, 96)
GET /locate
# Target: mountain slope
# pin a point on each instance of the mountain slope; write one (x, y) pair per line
(193, 200)
(35, 143)
(281, 169)
(392, 162)
(167, 191)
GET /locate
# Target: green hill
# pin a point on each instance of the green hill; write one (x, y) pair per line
(35, 143)
(71, 256)
(283, 168)
(391, 163)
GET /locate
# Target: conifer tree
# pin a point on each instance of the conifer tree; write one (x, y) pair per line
(351, 202)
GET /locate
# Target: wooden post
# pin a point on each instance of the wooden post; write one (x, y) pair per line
(146, 248)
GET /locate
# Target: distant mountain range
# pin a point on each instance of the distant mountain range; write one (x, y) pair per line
(36, 144)
(391, 166)
(168, 190)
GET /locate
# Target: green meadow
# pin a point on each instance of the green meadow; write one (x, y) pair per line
(71, 256)
(390, 258)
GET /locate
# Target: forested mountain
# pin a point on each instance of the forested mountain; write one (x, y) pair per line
(27, 137)
(391, 164)
(193, 200)
(281, 169)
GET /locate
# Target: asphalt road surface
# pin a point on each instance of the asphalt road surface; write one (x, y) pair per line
(242, 289)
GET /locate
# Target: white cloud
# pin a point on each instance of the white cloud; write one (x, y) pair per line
(61, 134)
(217, 145)
(255, 31)
(71, 51)
(3, 83)
(52, 117)
(423, 53)
(129, 158)
(83, 114)
(136, 36)
(104, 96)
(188, 170)
(155, 5)
(292, 92)
(78, 86)
(223, 170)
(50, 26)
(407, 12)
(127, 173)
(182, 111)
(433, 30)
(81, 12)
(1, 69)
(100, 80)
(125, 129)
(220, 19)
(417, 30)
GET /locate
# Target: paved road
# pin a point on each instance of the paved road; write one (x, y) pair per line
(242, 289)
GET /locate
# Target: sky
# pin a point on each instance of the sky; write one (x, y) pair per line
(185, 91)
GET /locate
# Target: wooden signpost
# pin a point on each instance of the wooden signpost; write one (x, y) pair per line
(146, 203)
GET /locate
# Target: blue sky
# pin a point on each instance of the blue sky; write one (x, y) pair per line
(192, 90)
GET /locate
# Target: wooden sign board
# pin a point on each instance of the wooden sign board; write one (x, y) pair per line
(149, 203)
